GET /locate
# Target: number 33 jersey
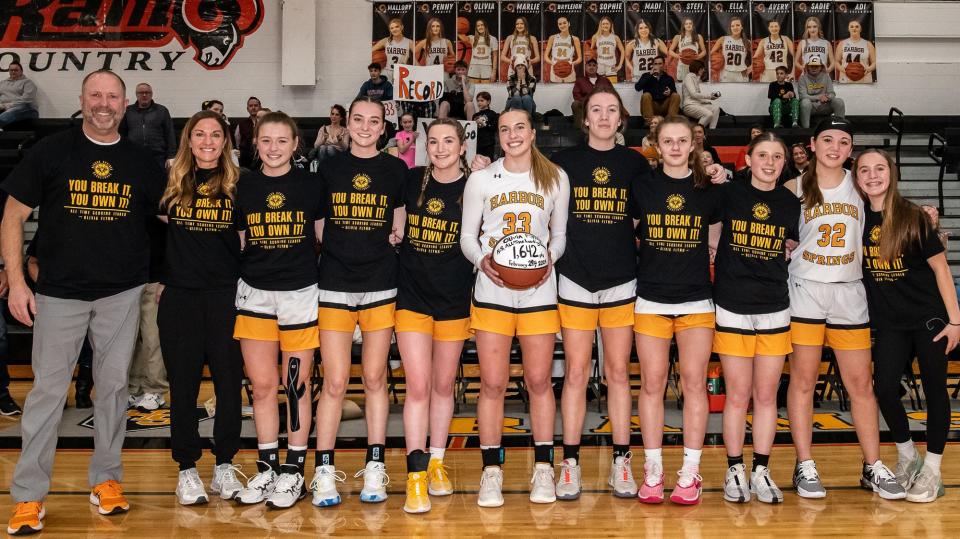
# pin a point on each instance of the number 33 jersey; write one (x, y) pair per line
(830, 237)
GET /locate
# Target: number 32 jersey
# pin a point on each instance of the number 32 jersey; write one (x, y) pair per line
(830, 237)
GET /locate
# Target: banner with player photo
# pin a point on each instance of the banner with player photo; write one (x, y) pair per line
(435, 28)
(855, 53)
(645, 38)
(729, 42)
(687, 26)
(773, 43)
(520, 33)
(392, 35)
(603, 24)
(561, 48)
(813, 33)
(477, 44)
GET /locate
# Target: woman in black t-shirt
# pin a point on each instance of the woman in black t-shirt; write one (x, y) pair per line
(278, 209)
(433, 308)
(913, 307)
(195, 315)
(753, 311)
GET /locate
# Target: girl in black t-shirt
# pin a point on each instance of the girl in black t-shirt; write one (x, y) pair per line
(913, 307)
(195, 315)
(433, 308)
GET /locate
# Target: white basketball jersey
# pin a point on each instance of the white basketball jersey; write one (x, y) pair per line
(853, 51)
(774, 53)
(831, 237)
(520, 45)
(482, 51)
(643, 55)
(437, 51)
(686, 42)
(816, 47)
(398, 52)
(606, 47)
(734, 54)
(562, 48)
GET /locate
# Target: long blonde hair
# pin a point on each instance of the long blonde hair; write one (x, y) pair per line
(182, 178)
(546, 175)
(428, 170)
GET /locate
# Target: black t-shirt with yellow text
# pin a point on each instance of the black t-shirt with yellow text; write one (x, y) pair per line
(601, 250)
(751, 265)
(359, 197)
(903, 293)
(435, 277)
(278, 215)
(203, 246)
(675, 218)
(95, 203)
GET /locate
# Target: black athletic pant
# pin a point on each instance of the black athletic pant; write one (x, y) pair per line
(197, 325)
(892, 351)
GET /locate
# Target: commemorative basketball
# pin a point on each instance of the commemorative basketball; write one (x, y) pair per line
(520, 259)
(855, 71)
(563, 68)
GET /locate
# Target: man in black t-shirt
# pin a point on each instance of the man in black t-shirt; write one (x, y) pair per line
(96, 192)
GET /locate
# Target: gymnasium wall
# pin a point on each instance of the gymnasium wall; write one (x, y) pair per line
(918, 44)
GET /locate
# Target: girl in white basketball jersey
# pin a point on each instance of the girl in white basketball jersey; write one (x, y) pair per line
(735, 50)
(520, 42)
(521, 193)
(775, 51)
(855, 49)
(434, 49)
(828, 306)
(483, 49)
(813, 44)
(642, 50)
(608, 49)
(396, 46)
(563, 47)
(687, 40)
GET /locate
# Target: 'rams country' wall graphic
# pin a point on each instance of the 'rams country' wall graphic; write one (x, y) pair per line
(213, 30)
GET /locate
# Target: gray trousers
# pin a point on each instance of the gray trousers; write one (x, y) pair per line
(835, 107)
(58, 332)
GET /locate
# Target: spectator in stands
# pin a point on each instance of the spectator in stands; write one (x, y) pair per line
(407, 140)
(783, 99)
(815, 90)
(650, 139)
(660, 95)
(332, 139)
(707, 159)
(377, 86)
(243, 132)
(18, 96)
(521, 86)
(457, 101)
(700, 142)
(741, 163)
(583, 86)
(486, 125)
(800, 159)
(148, 123)
(698, 104)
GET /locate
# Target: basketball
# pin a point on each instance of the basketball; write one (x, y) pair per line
(463, 25)
(854, 71)
(687, 56)
(716, 64)
(380, 57)
(563, 68)
(448, 64)
(520, 259)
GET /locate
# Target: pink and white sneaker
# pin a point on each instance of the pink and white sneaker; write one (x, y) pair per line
(689, 486)
(651, 490)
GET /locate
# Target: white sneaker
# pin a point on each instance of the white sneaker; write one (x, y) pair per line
(568, 486)
(287, 491)
(763, 486)
(150, 402)
(491, 487)
(542, 490)
(258, 487)
(735, 486)
(190, 488)
(225, 481)
(375, 481)
(324, 486)
(621, 477)
(132, 400)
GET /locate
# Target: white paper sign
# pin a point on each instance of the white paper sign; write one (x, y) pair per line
(421, 154)
(417, 83)
(390, 112)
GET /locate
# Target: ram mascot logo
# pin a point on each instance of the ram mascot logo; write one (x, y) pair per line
(215, 29)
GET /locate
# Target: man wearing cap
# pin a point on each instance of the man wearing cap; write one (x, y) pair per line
(521, 86)
(660, 97)
(816, 94)
(584, 85)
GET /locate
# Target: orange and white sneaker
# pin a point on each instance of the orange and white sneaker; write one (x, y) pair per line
(651, 490)
(439, 479)
(688, 488)
(108, 497)
(27, 518)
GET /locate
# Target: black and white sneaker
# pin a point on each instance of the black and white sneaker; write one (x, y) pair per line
(880, 479)
(763, 487)
(288, 490)
(735, 486)
(806, 480)
(8, 406)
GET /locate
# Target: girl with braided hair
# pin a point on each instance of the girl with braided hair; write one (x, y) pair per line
(433, 313)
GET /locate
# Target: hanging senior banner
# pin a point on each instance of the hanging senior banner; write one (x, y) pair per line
(602, 37)
(731, 51)
(519, 34)
(646, 32)
(562, 50)
(814, 34)
(470, 130)
(687, 23)
(392, 33)
(773, 44)
(855, 54)
(436, 30)
(477, 45)
(418, 83)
